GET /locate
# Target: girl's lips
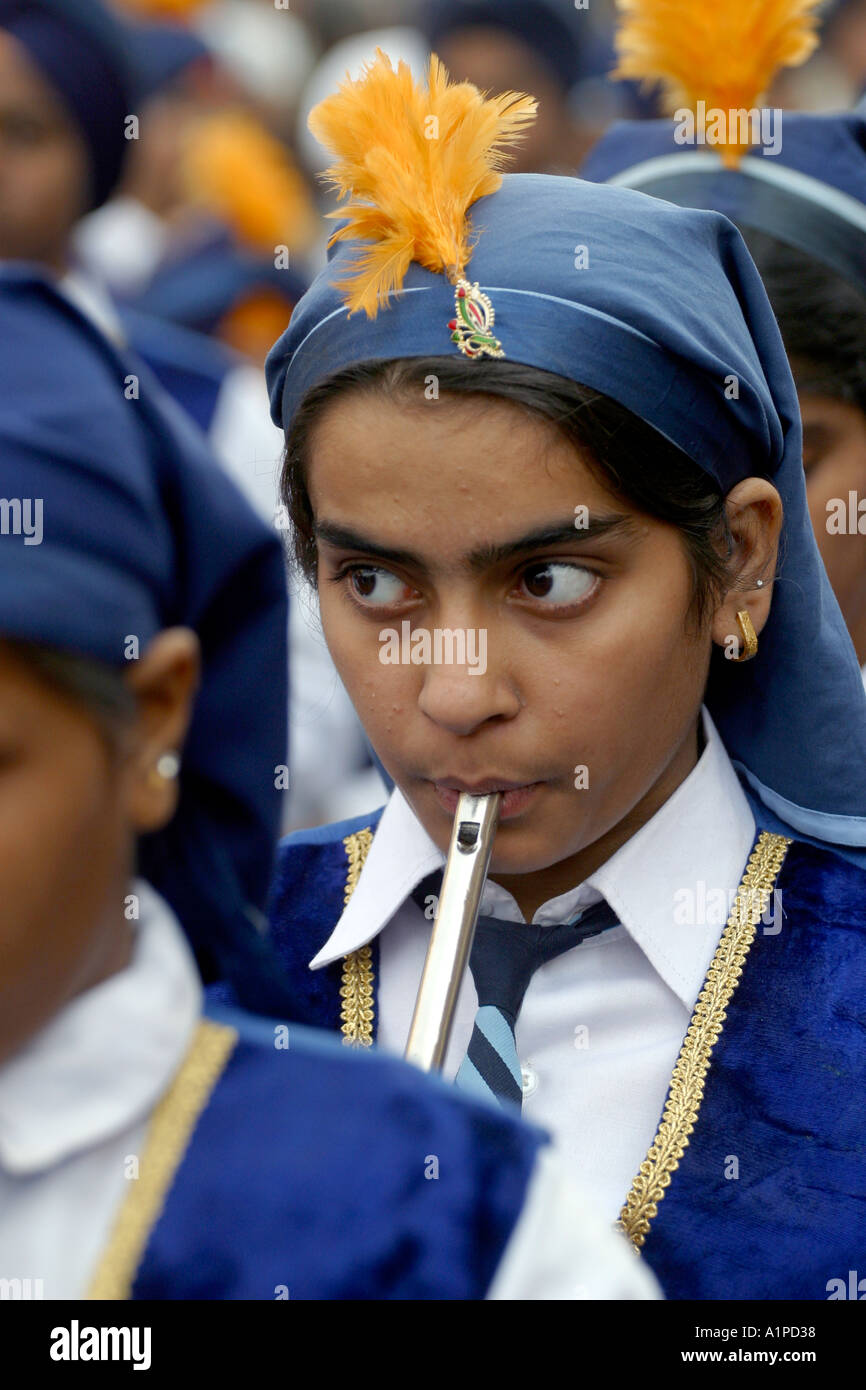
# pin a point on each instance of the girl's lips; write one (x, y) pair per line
(514, 800)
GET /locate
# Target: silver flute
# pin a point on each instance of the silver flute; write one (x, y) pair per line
(472, 836)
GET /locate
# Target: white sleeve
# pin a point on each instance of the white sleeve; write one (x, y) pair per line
(561, 1248)
(326, 741)
(245, 439)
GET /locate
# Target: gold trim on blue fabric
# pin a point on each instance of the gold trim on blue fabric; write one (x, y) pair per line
(686, 1089)
(168, 1136)
(357, 1014)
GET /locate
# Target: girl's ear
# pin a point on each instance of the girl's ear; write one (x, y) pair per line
(754, 512)
(164, 681)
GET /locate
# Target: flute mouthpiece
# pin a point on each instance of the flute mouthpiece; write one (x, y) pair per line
(467, 834)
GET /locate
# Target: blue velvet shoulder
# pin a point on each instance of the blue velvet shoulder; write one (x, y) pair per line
(317, 1173)
(784, 1097)
(306, 901)
(190, 366)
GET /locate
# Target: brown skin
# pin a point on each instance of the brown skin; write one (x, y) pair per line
(612, 679)
(834, 457)
(847, 42)
(72, 802)
(153, 172)
(496, 61)
(44, 166)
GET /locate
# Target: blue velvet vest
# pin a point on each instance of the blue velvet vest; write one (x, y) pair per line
(766, 1201)
(281, 1166)
(190, 366)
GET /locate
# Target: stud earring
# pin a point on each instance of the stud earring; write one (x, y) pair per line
(750, 637)
(759, 583)
(166, 769)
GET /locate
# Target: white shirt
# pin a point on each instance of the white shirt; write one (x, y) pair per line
(75, 1102)
(122, 243)
(74, 1108)
(601, 1026)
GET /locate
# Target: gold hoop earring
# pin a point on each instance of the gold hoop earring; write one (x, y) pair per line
(749, 643)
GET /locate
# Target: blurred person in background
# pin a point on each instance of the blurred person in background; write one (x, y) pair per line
(835, 75)
(71, 76)
(125, 239)
(524, 46)
(232, 217)
(845, 40)
(822, 315)
(803, 215)
(239, 235)
(74, 84)
(233, 262)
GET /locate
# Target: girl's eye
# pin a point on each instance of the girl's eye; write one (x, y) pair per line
(560, 584)
(378, 587)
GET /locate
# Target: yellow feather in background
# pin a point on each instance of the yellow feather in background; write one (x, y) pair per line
(163, 9)
(235, 168)
(412, 162)
(725, 55)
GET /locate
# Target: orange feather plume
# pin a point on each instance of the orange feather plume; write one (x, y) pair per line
(725, 55)
(412, 162)
(236, 169)
(163, 9)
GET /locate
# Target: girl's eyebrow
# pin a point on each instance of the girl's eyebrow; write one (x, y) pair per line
(590, 529)
(486, 556)
(343, 538)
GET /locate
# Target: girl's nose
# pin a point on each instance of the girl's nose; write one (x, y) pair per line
(461, 696)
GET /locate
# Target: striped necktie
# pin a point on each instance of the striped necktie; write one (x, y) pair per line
(505, 956)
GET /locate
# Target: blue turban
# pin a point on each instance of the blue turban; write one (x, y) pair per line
(83, 51)
(811, 195)
(142, 531)
(667, 310)
(200, 287)
(164, 53)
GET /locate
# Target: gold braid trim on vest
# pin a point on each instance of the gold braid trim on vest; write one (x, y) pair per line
(356, 991)
(686, 1089)
(166, 1142)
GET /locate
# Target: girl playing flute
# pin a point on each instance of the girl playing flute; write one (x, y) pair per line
(555, 421)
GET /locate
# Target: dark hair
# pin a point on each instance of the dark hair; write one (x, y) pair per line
(822, 317)
(99, 689)
(630, 457)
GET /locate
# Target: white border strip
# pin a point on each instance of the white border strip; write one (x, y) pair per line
(779, 175)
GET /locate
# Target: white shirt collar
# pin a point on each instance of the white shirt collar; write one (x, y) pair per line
(696, 844)
(94, 301)
(400, 856)
(101, 1064)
